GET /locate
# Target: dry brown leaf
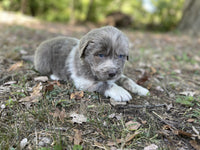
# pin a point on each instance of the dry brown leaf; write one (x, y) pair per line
(132, 125)
(16, 66)
(56, 113)
(195, 144)
(49, 88)
(130, 137)
(183, 133)
(143, 79)
(59, 114)
(62, 115)
(190, 120)
(153, 70)
(34, 96)
(143, 121)
(77, 137)
(77, 95)
(57, 83)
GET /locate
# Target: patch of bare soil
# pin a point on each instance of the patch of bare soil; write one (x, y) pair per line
(39, 113)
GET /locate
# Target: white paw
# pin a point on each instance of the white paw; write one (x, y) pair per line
(143, 91)
(118, 93)
(54, 77)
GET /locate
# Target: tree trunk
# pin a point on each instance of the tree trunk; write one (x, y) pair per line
(91, 11)
(23, 6)
(190, 21)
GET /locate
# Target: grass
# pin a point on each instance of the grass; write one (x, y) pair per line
(49, 115)
(186, 100)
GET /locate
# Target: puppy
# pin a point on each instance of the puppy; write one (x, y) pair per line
(93, 63)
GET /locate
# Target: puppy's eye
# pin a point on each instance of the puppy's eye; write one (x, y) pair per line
(101, 55)
(121, 56)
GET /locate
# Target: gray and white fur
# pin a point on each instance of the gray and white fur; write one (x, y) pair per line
(93, 63)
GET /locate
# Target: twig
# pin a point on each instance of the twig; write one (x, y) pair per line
(163, 120)
(139, 106)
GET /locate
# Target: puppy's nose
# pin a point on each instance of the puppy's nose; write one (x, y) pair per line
(112, 74)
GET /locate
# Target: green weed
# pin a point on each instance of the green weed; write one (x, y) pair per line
(186, 100)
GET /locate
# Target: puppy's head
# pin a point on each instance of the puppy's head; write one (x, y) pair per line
(105, 51)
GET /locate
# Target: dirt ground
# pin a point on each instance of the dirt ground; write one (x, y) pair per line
(37, 113)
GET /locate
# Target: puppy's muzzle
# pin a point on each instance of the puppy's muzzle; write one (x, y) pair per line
(112, 73)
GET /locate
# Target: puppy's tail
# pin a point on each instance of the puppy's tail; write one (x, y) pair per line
(29, 58)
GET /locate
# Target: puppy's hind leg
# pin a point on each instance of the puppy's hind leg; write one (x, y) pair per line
(131, 86)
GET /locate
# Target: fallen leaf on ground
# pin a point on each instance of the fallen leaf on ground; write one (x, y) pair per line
(49, 87)
(77, 95)
(16, 66)
(195, 144)
(34, 96)
(143, 79)
(41, 78)
(190, 120)
(187, 93)
(183, 133)
(153, 70)
(127, 139)
(151, 147)
(132, 125)
(77, 137)
(78, 118)
(59, 114)
(131, 136)
(56, 83)
(143, 121)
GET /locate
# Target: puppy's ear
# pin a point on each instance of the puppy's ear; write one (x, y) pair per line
(83, 46)
(127, 58)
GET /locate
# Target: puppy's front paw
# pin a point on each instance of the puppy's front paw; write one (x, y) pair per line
(118, 93)
(143, 91)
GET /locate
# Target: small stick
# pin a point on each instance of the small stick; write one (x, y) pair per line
(140, 106)
(163, 120)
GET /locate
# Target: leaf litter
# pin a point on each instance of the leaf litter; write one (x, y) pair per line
(167, 76)
(35, 95)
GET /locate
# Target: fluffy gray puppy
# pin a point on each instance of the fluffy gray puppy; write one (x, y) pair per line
(93, 63)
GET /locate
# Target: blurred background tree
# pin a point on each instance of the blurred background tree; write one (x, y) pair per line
(190, 21)
(162, 15)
